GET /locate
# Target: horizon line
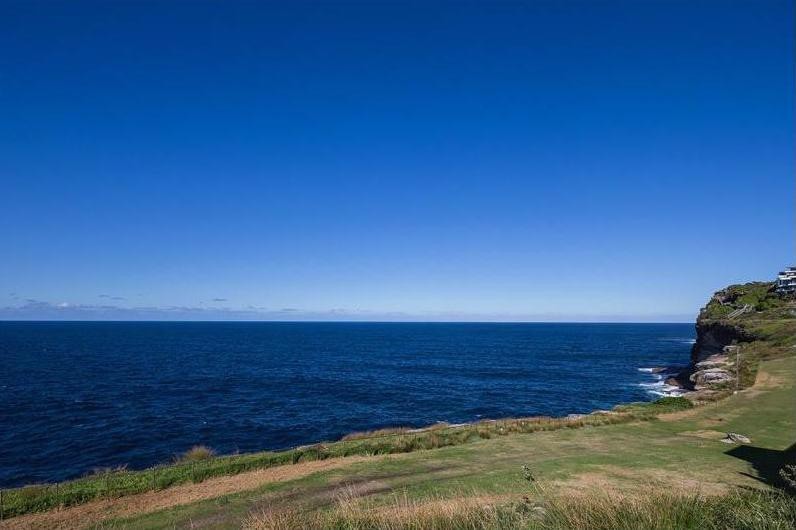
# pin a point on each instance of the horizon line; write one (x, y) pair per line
(252, 321)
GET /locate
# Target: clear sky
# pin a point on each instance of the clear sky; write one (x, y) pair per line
(562, 160)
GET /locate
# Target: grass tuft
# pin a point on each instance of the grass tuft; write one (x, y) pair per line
(197, 453)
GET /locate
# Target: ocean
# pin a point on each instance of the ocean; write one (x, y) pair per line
(75, 396)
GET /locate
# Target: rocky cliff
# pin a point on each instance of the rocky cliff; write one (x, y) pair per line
(739, 325)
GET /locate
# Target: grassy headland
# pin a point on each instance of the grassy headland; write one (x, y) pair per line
(740, 326)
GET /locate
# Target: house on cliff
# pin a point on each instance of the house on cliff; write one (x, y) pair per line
(786, 281)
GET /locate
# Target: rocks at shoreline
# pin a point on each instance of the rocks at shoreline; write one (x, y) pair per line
(714, 361)
(704, 379)
(715, 370)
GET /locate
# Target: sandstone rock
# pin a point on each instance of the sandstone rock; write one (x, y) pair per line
(711, 375)
(716, 362)
(735, 438)
(716, 375)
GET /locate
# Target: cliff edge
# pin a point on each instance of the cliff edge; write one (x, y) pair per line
(739, 326)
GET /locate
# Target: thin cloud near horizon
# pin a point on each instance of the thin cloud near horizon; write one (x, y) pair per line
(42, 310)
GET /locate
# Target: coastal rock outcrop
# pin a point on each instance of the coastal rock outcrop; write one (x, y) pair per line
(716, 337)
(730, 331)
(705, 379)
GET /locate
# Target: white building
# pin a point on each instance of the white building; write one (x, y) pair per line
(786, 281)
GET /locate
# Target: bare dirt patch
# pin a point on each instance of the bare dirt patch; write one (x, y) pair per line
(706, 434)
(764, 381)
(768, 380)
(680, 415)
(351, 486)
(94, 512)
(619, 480)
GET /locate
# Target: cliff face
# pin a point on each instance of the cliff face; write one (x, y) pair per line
(714, 358)
(715, 335)
(739, 325)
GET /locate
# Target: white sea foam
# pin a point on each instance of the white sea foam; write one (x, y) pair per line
(658, 385)
(680, 340)
(667, 391)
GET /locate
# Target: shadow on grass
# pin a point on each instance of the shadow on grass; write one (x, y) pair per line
(766, 462)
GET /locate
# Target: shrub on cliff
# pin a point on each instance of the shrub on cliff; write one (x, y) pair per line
(672, 404)
(197, 453)
(759, 295)
(659, 406)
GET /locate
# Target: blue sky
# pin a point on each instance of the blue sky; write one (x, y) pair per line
(392, 161)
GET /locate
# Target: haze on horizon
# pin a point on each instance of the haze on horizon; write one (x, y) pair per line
(611, 161)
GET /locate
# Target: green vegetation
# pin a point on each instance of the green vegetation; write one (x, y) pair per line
(660, 406)
(199, 463)
(380, 432)
(117, 483)
(759, 295)
(760, 322)
(771, 323)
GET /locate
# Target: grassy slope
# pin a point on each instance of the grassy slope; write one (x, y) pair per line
(680, 452)
(110, 484)
(772, 322)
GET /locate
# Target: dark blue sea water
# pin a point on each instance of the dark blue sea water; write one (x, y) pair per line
(74, 396)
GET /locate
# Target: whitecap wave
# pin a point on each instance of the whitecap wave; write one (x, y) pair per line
(658, 386)
(680, 340)
(667, 391)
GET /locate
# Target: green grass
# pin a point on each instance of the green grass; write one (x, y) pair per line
(759, 295)
(117, 483)
(199, 463)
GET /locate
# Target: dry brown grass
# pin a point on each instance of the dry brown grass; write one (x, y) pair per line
(393, 431)
(90, 514)
(593, 510)
(359, 435)
(354, 513)
(197, 453)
